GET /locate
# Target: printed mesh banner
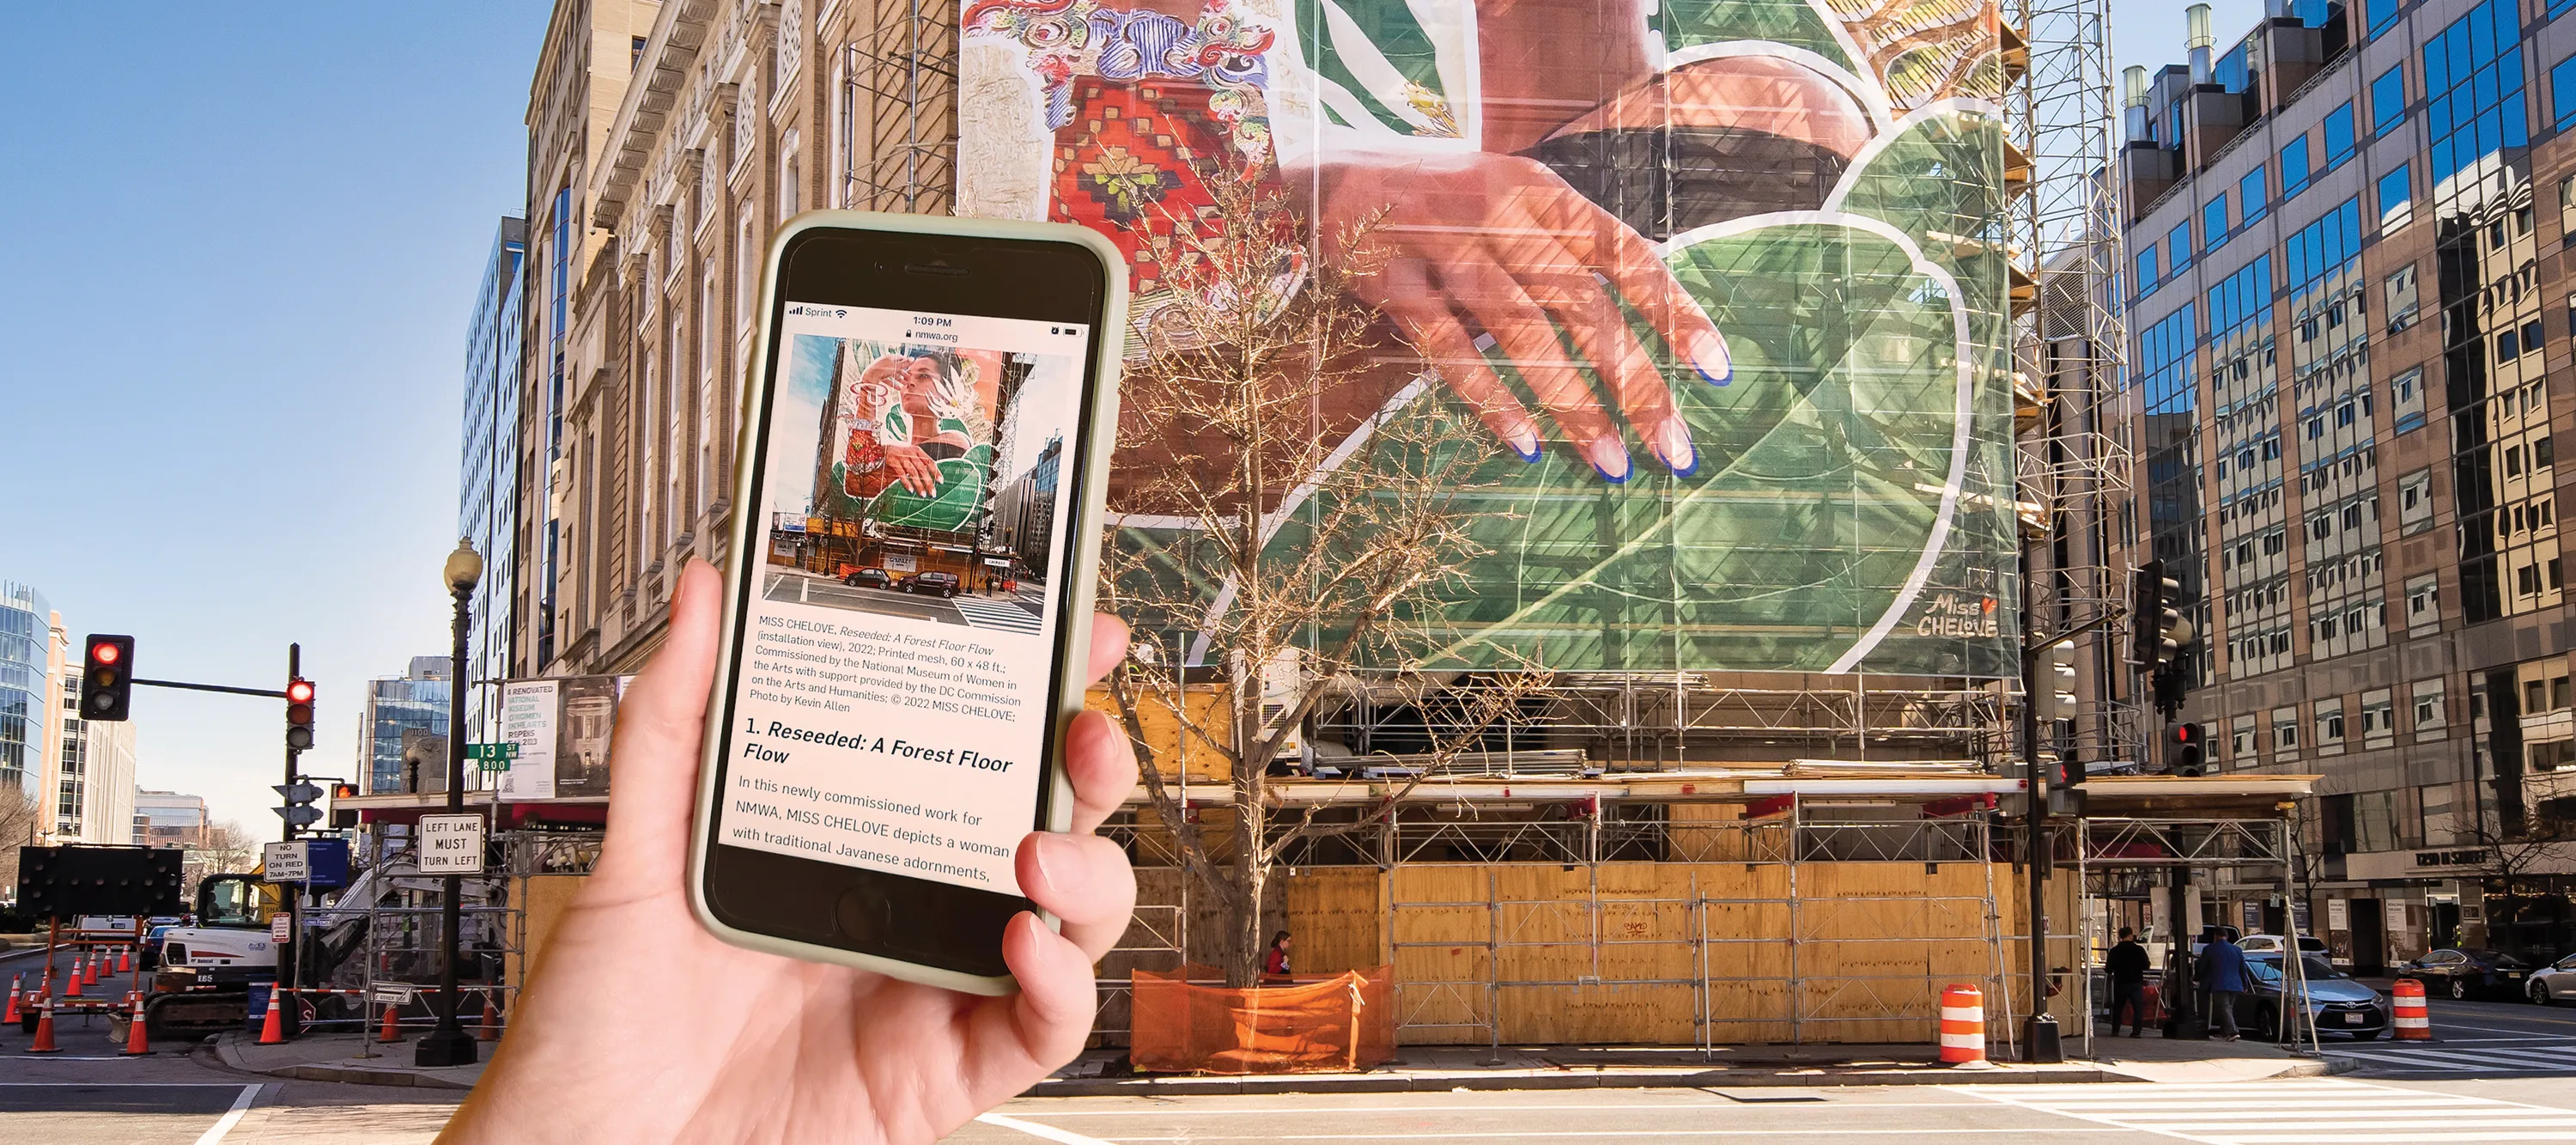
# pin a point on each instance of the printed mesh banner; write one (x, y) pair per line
(1724, 279)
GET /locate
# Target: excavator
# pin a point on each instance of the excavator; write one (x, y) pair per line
(207, 967)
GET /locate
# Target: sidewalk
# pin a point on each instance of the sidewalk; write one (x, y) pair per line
(1104, 1073)
(334, 1057)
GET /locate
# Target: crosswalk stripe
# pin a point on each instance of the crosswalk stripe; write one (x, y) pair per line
(2285, 1113)
(2463, 1059)
(989, 614)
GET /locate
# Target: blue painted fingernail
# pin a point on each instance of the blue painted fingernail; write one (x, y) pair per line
(1524, 441)
(1709, 356)
(1672, 443)
(1609, 458)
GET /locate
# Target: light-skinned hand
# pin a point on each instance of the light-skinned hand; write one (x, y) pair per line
(637, 1025)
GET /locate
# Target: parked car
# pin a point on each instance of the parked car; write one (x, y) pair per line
(932, 583)
(149, 956)
(2336, 1002)
(2271, 944)
(868, 578)
(2471, 973)
(2554, 983)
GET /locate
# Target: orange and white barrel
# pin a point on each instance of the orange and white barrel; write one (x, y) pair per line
(2412, 1021)
(1963, 1024)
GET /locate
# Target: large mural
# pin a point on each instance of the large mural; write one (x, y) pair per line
(1724, 279)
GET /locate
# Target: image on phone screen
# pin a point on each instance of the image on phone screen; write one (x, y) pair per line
(891, 707)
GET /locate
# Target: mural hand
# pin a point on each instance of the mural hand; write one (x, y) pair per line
(1498, 245)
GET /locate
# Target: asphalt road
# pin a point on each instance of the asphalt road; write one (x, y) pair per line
(2473, 1039)
(2318, 1110)
(88, 1095)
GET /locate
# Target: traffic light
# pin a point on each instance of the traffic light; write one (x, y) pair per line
(299, 810)
(343, 817)
(2185, 753)
(2153, 616)
(299, 714)
(2056, 698)
(107, 679)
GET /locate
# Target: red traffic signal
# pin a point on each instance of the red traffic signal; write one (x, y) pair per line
(107, 679)
(2184, 754)
(299, 714)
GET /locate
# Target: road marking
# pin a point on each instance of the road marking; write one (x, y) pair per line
(2463, 1061)
(2258, 1113)
(232, 1117)
(1033, 1129)
(987, 614)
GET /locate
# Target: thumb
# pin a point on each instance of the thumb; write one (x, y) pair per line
(661, 726)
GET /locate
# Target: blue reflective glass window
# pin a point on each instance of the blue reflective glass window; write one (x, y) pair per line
(2146, 270)
(2294, 168)
(2252, 195)
(2388, 99)
(2559, 8)
(2213, 221)
(2338, 135)
(2178, 244)
(2383, 15)
(2395, 206)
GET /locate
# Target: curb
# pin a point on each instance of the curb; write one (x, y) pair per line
(1438, 1083)
(226, 1052)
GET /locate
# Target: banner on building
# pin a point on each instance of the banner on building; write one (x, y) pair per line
(562, 727)
(1795, 208)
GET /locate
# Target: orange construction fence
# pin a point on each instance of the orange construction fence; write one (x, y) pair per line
(1186, 1021)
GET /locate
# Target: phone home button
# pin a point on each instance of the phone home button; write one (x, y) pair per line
(864, 915)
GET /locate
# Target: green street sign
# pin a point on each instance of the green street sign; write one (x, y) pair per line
(492, 756)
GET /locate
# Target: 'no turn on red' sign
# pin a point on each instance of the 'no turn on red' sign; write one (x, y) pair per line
(451, 844)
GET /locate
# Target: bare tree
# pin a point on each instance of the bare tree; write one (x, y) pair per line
(1315, 498)
(20, 820)
(228, 850)
(2513, 848)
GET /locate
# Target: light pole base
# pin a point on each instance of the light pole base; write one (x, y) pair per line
(2039, 1041)
(445, 1046)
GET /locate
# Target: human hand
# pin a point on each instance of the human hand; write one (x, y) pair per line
(913, 468)
(638, 1025)
(1498, 242)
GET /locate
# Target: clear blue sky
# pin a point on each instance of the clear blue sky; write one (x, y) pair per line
(237, 250)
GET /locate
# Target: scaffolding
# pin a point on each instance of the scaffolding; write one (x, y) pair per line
(2072, 465)
(899, 108)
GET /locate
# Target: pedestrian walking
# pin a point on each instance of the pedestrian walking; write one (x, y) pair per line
(2129, 982)
(2222, 967)
(1275, 963)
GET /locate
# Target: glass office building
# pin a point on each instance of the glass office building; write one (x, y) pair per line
(487, 487)
(26, 626)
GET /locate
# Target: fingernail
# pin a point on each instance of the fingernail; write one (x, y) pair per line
(1060, 865)
(1708, 356)
(1523, 439)
(1672, 443)
(1609, 457)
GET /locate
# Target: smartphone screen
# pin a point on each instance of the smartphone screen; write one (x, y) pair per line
(892, 705)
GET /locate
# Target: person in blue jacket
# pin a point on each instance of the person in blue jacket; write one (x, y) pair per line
(2222, 970)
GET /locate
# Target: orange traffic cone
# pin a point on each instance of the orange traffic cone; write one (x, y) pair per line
(2413, 1021)
(1963, 1025)
(11, 1018)
(272, 1029)
(125, 960)
(71, 989)
(93, 971)
(490, 1030)
(391, 1031)
(137, 1043)
(44, 1043)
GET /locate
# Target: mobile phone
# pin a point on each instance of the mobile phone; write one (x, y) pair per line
(909, 587)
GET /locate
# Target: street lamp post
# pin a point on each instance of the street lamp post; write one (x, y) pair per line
(448, 1043)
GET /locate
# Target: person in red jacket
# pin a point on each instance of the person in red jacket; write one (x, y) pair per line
(1275, 963)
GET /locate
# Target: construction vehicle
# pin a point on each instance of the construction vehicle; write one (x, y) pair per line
(208, 967)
